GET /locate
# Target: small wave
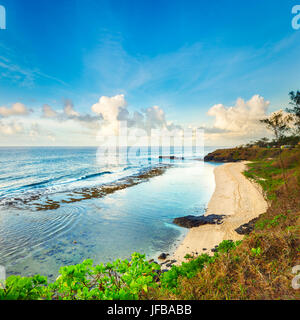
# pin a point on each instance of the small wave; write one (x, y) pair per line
(39, 184)
(89, 176)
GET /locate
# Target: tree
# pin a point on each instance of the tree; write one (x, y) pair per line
(262, 143)
(278, 122)
(295, 102)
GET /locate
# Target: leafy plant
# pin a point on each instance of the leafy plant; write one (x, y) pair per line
(227, 245)
(270, 223)
(23, 288)
(256, 251)
(187, 269)
(114, 281)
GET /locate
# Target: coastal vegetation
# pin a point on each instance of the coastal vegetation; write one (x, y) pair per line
(258, 267)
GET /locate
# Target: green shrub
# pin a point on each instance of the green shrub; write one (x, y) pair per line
(120, 280)
(22, 288)
(270, 223)
(189, 269)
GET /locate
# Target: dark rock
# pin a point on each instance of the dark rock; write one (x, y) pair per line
(163, 256)
(204, 249)
(223, 156)
(171, 157)
(212, 158)
(165, 262)
(156, 278)
(196, 221)
(151, 260)
(169, 265)
(247, 227)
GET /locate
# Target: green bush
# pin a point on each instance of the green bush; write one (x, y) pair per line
(270, 223)
(19, 288)
(120, 280)
(169, 280)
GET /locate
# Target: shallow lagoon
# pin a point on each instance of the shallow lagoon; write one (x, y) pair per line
(138, 218)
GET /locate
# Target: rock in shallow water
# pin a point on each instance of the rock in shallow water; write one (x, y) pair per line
(171, 157)
(196, 221)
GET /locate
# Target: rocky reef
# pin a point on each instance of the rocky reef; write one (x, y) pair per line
(196, 221)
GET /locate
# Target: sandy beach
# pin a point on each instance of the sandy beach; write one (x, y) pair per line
(236, 197)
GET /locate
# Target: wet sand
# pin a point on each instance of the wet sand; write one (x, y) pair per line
(240, 199)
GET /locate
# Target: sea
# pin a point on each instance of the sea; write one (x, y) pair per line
(61, 205)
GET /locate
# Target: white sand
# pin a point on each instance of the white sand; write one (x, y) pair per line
(236, 197)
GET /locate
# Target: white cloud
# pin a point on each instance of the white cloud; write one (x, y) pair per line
(113, 110)
(11, 128)
(69, 109)
(239, 123)
(242, 118)
(48, 112)
(17, 109)
(69, 114)
(109, 107)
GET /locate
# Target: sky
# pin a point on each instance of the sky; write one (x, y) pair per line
(70, 70)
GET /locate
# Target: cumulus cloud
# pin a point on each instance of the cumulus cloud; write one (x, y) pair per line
(113, 110)
(48, 112)
(17, 109)
(238, 123)
(109, 107)
(243, 117)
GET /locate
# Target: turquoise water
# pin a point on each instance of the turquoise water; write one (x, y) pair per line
(137, 218)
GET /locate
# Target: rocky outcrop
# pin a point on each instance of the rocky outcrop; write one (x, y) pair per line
(196, 221)
(240, 154)
(222, 156)
(214, 158)
(247, 227)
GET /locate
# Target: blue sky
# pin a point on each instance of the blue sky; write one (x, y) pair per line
(184, 56)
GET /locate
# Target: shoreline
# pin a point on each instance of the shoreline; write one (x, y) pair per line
(236, 197)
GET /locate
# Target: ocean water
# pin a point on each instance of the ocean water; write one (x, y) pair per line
(59, 206)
